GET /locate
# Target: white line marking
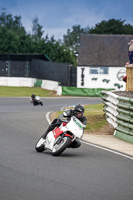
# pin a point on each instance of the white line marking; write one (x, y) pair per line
(47, 117)
(106, 149)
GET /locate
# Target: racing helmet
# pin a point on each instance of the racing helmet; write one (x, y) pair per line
(33, 96)
(79, 111)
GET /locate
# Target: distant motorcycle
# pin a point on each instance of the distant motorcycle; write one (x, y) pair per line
(61, 137)
(36, 101)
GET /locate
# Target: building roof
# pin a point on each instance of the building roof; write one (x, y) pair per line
(103, 50)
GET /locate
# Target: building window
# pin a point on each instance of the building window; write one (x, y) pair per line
(98, 70)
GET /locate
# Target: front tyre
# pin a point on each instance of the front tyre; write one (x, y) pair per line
(41, 103)
(60, 145)
(39, 147)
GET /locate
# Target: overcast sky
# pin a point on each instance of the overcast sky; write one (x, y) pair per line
(56, 16)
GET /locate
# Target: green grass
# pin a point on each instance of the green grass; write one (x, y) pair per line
(24, 92)
(95, 117)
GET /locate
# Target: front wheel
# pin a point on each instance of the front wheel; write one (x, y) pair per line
(41, 103)
(40, 145)
(60, 145)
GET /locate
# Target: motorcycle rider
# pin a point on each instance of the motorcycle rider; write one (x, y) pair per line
(34, 100)
(130, 53)
(66, 116)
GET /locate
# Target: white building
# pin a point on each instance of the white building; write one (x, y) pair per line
(101, 61)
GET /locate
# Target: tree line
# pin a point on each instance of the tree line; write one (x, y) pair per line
(15, 39)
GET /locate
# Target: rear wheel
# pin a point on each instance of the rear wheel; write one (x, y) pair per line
(60, 145)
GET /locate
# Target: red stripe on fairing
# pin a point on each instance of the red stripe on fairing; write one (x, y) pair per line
(64, 123)
(68, 135)
(57, 132)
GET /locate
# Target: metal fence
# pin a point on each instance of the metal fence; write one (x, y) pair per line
(37, 66)
(14, 68)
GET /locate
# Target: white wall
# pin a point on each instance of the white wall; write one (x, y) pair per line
(50, 85)
(17, 81)
(114, 76)
(30, 82)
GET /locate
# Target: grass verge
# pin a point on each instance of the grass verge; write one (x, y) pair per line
(24, 92)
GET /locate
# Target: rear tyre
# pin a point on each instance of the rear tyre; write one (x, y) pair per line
(39, 147)
(59, 147)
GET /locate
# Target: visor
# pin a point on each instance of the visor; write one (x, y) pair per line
(79, 114)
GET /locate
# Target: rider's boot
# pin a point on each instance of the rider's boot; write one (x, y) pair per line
(50, 128)
(75, 144)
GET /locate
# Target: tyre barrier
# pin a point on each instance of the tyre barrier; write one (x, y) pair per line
(119, 113)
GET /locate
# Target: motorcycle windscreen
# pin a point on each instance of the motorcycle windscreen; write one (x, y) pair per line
(75, 127)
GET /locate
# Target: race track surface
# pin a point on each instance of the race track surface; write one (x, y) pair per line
(85, 173)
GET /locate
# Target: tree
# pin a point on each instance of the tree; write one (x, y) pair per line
(26, 44)
(12, 23)
(58, 52)
(8, 41)
(72, 38)
(14, 38)
(112, 26)
(37, 29)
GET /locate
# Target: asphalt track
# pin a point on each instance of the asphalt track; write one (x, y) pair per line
(83, 173)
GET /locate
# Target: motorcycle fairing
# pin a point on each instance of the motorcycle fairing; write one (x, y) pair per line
(57, 132)
(50, 140)
(76, 127)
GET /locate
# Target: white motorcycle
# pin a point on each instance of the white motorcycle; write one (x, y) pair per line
(37, 101)
(61, 137)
